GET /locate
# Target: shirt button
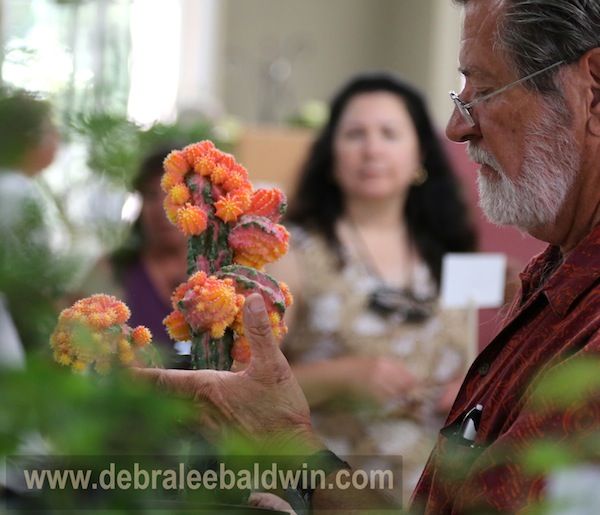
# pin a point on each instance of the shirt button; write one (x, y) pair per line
(483, 369)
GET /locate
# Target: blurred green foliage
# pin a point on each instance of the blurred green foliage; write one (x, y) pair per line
(565, 398)
(116, 145)
(90, 421)
(86, 414)
(313, 114)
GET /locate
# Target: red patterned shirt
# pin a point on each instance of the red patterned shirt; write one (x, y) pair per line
(534, 385)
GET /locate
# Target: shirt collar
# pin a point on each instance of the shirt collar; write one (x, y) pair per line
(572, 278)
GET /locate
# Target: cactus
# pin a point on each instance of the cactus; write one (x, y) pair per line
(94, 333)
(232, 234)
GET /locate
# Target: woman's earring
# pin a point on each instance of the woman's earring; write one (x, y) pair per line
(420, 176)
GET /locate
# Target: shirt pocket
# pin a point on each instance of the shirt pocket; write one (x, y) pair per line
(457, 455)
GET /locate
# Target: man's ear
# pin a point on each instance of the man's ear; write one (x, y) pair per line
(592, 63)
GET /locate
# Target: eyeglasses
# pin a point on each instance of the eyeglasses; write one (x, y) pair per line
(465, 109)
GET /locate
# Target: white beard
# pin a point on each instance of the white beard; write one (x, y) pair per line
(549, 167)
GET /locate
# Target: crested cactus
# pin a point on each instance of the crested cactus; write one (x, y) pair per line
(233, 233)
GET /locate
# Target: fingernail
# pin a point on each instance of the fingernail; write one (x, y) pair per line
(255, 304)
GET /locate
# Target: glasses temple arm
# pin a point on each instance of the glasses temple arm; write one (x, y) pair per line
(508, 86)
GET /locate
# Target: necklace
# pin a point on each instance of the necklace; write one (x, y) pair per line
(398, 302)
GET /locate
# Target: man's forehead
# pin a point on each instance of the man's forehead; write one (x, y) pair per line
(478, 35)
(480, 18)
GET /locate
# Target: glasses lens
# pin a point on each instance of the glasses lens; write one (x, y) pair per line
(466, 114)
(462, 108)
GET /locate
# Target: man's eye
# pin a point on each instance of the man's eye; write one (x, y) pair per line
(481, 93)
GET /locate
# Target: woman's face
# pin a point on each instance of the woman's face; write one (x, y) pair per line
(158, 230)
(375, 147)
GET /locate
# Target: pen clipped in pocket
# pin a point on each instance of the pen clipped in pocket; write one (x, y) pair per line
(458, 441)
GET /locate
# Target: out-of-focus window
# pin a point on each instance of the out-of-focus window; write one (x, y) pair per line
(106, 65)
(75, 50)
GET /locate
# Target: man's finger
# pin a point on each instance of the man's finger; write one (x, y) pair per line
(258, 332)
(184, 384)
(180, 383)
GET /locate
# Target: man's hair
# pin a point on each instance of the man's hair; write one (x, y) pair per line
(537, 33)
(23, 121)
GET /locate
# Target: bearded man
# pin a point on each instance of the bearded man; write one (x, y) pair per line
(530, 116)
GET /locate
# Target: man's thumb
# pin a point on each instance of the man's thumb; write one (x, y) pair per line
(257, 329)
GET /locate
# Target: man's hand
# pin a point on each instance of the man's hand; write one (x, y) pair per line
(263, 402)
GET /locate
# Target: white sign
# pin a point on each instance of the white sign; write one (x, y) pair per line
(473, 280)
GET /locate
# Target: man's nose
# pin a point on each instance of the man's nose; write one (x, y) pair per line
(459, 129)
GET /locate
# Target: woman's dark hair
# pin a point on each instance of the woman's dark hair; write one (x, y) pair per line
(150, 167)
(437, 216)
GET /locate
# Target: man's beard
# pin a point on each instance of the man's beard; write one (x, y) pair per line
(550, 164)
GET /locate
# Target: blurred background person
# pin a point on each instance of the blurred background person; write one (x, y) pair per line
(151, 262)
(375, 208)
(12, 353)
(33, 276)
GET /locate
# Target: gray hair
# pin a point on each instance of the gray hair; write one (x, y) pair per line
(536, 33)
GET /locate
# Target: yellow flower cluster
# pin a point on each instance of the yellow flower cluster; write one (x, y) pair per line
(94, 332)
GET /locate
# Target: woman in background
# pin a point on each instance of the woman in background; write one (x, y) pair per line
(150, 264)
(375, 209)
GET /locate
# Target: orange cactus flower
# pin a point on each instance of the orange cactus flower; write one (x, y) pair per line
(197, 151)
(171, 210)
(169, 180)
(141, 336)
(287, 295)
(218, 174)
(211, 305)
(177, 327)
(268, 202)
(204, 166)
(231, 206)
(197, 280)
(177, 163)
(191, 220)
(179, 194)
(63, 358)
(243, 197)
(241, 350)
(99, 310)
(99, 320)
(276, 296)
(277, 324)
(125, 352)
(178, 294)
(236, 181)
(226, 160)
(256, 241)
(122, 312)
(79, 365)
